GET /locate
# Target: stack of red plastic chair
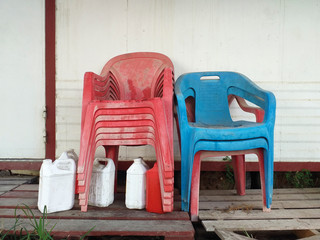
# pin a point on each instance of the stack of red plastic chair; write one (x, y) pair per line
(128, 104)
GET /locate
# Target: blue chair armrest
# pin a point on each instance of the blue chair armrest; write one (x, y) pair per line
(252, 93)
(181, 107)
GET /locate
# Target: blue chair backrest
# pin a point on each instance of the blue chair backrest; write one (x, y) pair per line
(210, 91)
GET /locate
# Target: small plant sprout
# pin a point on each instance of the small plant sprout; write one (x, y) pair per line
(39, 226)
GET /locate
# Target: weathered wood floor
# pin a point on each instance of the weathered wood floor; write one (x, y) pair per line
(114, 220)
(221, 211)
(296, 210)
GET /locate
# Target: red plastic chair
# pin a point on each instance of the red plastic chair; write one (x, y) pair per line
(238, 162)
(128, 104)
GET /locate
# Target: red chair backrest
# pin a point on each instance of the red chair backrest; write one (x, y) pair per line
(137, 73)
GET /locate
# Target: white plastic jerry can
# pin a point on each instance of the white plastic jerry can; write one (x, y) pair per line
(101, 192)
(136, 185)
(57, 184)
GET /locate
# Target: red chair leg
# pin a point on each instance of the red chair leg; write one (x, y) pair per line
(262, 180)
(239, 169)
(84, 208)
(84, 195)
(195, 188)
(113, 153)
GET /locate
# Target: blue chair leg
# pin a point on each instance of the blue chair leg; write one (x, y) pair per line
(268, 164)
(190, 169)
(185, 165)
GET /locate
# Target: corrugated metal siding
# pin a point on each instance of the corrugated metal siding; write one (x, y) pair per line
(275, 43)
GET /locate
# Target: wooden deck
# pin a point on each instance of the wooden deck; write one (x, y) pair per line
(293, 210)
(114, 220)
(223, 214)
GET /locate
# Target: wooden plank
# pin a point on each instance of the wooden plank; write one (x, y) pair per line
(102, 214)
(33, 204)
(12, 182)
(291, 190)
(5, 188)
(34, 194)
(50, 77)
(20, 194)
(251, 197)
(227, 235)
(276, 191)
(258, 205)
(14, 202)
(28, 187)
(18, 178)
(262, 225)
(20, 164)
(78, 227)
(189, 236)
(258, 214)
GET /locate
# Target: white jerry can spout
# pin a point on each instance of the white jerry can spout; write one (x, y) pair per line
(57, 183)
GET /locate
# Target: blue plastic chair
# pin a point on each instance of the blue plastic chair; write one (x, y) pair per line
(212, 132)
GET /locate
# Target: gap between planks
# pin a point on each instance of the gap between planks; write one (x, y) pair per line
(227, 235)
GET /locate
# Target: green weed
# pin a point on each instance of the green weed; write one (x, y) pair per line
(229, 171)
(247, 234)
(300, 179)
(40, 227)
(230, 174)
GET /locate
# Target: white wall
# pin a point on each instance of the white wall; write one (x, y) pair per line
(275, 43)
(22, 81)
